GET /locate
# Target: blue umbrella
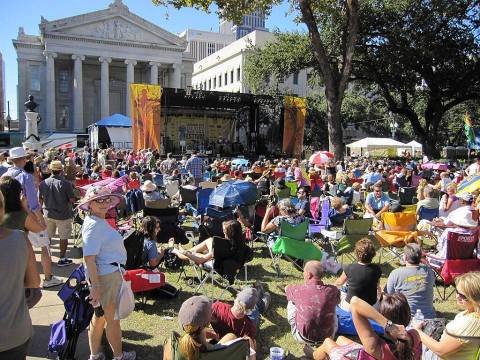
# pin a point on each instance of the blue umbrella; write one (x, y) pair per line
(234, 193)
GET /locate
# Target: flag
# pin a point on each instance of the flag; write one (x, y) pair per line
(294, 124)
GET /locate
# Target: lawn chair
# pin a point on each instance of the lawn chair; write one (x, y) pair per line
(238, 350)
(353, 230)
(170, 224)
(292, 185)
(283, 193)
(203, 196)
(212, 223)
(171, 188)
(461, 258)
(188, 196)
(399, 231)
(208, 185)
(322, 222)
(427, 214)
(291, 245)
(406, 195)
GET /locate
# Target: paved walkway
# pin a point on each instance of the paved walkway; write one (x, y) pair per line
(50, 309)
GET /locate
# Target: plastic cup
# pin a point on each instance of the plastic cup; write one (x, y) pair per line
(276, 353)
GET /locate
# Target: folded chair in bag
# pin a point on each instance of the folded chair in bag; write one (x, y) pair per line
(353, 230)
(461, 258)
(236, 350)
(291, 245)
(399, 231)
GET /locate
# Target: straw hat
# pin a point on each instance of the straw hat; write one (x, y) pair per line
(98, 192)
(17, 153)
(226, 177)
(462, 217)
(56, 165)
(148, 186)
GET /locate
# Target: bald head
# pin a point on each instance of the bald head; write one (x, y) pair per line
(313, 269)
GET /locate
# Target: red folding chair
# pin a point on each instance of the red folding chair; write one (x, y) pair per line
(461, 258)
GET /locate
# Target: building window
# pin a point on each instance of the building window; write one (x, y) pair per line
(231, 77)
(35, 77)
(211, 48)
(226, 79)
(238, 74)
(63, 81)
(295, 78)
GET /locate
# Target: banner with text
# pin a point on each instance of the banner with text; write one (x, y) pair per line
(294, 125)
(145, 115)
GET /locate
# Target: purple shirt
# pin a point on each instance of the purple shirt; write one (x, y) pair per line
(315, 302)
(28, 186)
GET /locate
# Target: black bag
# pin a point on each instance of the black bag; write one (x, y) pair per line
(165, 292)
(435, 327)
(133, 243)
(172, 261)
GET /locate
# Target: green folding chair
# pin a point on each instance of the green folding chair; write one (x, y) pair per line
(353, 230)
(283, 193)
(292, 185)
(238, 350)
(291, 245)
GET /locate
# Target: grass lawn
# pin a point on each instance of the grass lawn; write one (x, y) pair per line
(146, 329)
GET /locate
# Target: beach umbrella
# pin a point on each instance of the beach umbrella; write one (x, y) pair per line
(469, 185)
(321, 157)
(233, 193)
(435, 166)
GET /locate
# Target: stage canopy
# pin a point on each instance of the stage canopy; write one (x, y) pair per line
(375, 146)
(115, 130)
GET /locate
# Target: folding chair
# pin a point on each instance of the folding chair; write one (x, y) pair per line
(208, 185)
(399, 231)
(188, 196)
(292, 185)
(203, 196)
(322, 222)
(427, 214)
(158, 204)
(461, 258)
(406, 195)
(353, 230)
(171, 188)
(170, 224)
(291, 244)
(283, 193)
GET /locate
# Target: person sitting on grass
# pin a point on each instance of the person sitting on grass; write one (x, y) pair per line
(194, 317)
(397, 344)
(311, 306)
(243, 317)
(362, 277)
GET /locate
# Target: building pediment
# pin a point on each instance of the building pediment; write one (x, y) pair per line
(116, 23)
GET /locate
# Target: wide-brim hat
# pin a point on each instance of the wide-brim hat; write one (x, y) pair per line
(56, 165)
(148, 186)
(17, 153)
(98, 192)
(463, 217)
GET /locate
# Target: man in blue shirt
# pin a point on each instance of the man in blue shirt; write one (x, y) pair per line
(196, 167)
(376, 203)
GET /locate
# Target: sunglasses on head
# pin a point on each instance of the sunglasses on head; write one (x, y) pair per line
(106, 200)
(460, 295)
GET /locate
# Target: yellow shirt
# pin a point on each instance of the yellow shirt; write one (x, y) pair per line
(466, 328)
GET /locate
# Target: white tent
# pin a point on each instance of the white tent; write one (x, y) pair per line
(380, 146)
(415, 147)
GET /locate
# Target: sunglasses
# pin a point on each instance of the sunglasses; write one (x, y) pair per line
(106, 200)
(460, 295)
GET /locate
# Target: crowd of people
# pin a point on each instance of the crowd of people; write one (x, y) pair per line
(41, 194)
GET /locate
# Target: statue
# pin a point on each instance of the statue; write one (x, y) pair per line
(31, 105)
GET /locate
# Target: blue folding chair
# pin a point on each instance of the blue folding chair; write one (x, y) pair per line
(427, 214)
(203, 196)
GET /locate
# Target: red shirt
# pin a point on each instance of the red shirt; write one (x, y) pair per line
(223, 322)
(315, 303)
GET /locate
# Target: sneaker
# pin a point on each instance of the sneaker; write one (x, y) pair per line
(99, 356)
(64, 262)
(54, 281)
(127, 355)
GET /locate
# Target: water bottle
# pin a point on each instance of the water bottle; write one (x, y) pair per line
(418, 316)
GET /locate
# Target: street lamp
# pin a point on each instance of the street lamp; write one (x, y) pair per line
(392, 124)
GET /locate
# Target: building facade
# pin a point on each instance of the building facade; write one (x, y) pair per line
(250, 23)
(223, 70)
(79, 68)
(201, 44)
(3, 114)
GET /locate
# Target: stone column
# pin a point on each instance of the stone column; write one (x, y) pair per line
(154, 72)
(130, 79)
(50, 90)
(176, 76)
(78, 93)
(104, 87)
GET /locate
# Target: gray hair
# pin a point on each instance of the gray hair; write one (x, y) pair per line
(428, 191)
(285, 205)
(413, 253)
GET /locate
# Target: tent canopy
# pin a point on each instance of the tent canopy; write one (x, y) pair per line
(376, 142)
(115, 120)
(414, 144)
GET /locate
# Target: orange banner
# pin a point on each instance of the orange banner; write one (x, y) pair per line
(294, 125)
(145, 115)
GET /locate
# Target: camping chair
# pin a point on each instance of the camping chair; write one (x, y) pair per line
(282, 193)
(236, 350)
(292, 185)
(353, 230)
(208, 185)
(322, 222)
(399, 231)
(158, 204)
(406, 195)
(188, 196)
(461, 258)
(291, 244)
(212, 222)
(427, 214)
(171, 188)
(203, 196)
(170, 224)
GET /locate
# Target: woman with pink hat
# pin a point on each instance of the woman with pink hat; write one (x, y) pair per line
(103, 254)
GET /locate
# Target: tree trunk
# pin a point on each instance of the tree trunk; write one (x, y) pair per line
(335, 131)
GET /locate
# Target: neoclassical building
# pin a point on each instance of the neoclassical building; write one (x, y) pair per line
(79, 67)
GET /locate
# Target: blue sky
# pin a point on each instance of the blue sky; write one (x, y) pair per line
(27, 13)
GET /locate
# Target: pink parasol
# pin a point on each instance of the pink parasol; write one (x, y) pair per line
(435, 166)
(321, 157)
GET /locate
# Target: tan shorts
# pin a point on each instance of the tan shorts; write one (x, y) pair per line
(64, 228)
(110, 285)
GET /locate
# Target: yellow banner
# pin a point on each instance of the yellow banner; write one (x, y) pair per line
(294, 125)
(145, 115)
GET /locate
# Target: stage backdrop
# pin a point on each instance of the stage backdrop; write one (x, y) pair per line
(145, 114)
(294, 125)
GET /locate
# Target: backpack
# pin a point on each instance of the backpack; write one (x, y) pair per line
(172, 261)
